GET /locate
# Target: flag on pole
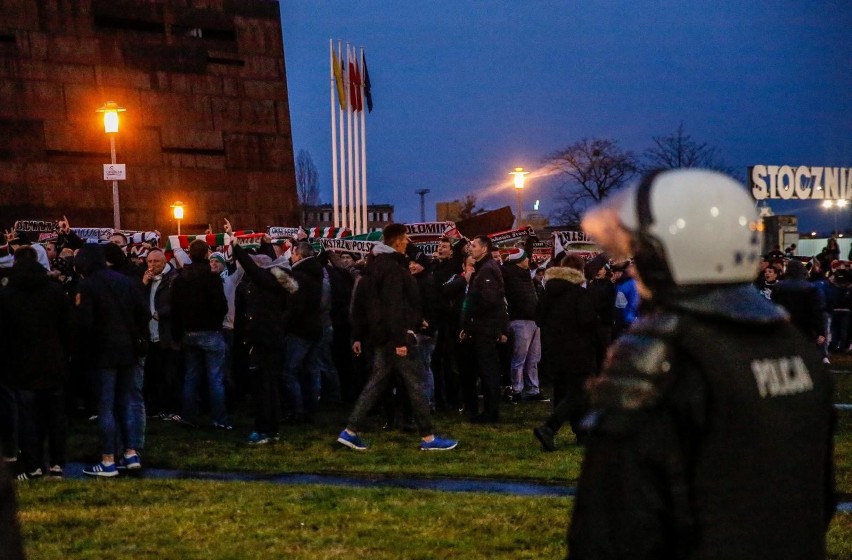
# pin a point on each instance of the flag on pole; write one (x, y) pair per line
(338, 79)
(368, 95)
(355, 87)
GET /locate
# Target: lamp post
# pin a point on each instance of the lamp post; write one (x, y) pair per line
(177, 211)
(520, 177)
(111, 109)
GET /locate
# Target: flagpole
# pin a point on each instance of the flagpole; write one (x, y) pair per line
(363, 149)
(342, 217)
(357, 159)
(333, 87)
(350, 183)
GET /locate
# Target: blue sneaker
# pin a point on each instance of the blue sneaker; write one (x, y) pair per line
(438, 444)
(353, 442)
(100, 469)
(132, 463)
(257, 438)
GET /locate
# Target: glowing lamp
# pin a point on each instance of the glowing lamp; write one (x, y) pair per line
(111, 109)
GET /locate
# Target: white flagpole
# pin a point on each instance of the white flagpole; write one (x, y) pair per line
(357, 162)
(364, 210)
(335, 186)
(342, 217)
(350, 183)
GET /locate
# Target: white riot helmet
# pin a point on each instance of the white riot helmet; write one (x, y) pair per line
(683, 227)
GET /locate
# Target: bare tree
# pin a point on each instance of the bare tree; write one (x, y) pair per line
(678, 150)
(468, 207)
(591, 170)
(307, 179)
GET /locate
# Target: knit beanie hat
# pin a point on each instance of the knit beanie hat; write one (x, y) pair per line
(517, 256)
(217, 256)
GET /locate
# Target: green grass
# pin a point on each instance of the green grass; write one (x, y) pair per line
(191, 519)
(194, 519)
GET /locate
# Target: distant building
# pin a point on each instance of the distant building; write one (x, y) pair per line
(207, 120)
(378, 216)
(448, 211)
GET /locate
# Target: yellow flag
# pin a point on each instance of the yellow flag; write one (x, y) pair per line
(338, 78)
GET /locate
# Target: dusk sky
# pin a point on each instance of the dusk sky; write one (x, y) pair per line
(464, 91)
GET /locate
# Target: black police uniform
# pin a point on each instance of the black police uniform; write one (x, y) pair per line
(711, 437)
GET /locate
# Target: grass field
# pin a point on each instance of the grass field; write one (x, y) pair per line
(196, 519)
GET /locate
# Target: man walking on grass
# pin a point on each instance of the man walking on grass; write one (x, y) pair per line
(394, 313)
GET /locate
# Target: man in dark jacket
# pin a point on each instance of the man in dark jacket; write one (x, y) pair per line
(267, 288)
(162, 390)
(448, 262)
(803, 302)
(35, 334)
(711, 431)
(522, 299)
(394, 312)
(485, 323)
(111, 317)
(303, 331)
(198, 308)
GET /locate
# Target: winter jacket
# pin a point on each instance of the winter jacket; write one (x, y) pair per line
(163, 306)
(111, 313)
(35, 329)
(429, 302)
(302, 315)
(568, 323)
(484, 306)
(198, 300)
(803, 302)
(521, 296)
(393, 299)
(265, 295)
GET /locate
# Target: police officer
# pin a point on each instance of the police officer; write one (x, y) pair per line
(712, 424)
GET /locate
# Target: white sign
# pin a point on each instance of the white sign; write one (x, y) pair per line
(114, 172)
(802, 182)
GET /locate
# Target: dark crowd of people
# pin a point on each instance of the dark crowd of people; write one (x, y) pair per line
(183, 337)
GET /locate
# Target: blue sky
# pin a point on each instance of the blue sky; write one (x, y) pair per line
(464, 91)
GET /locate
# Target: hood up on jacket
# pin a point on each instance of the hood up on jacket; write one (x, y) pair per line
(570, 275)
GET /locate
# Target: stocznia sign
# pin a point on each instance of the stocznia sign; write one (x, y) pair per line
(802, 182)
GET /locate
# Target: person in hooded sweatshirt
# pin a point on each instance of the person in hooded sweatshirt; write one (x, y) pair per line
(568, 322)
(35, 333)
(110, 316)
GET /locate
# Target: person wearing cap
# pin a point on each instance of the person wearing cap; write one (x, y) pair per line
(522, 299)
(710, 431)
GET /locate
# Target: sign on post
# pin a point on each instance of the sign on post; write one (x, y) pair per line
(114, 172)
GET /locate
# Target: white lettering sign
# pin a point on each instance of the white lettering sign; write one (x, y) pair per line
(802, 182)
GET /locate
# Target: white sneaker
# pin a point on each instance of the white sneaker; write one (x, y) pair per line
(826, 361)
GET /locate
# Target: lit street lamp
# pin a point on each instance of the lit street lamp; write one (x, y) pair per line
(177, 211)
(520, 176)
(840, 203)
(111, 109)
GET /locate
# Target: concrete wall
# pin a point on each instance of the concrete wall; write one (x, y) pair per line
(207, 121)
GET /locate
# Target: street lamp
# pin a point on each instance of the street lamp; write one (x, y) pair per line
(177, 211)
(520, 176)
(111, 109)
(840, 203)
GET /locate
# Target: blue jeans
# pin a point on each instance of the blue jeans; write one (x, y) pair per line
(526, 354)
(425, 348)
(323, 371)
(300, 382)
(121, 408)
(204, 350)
